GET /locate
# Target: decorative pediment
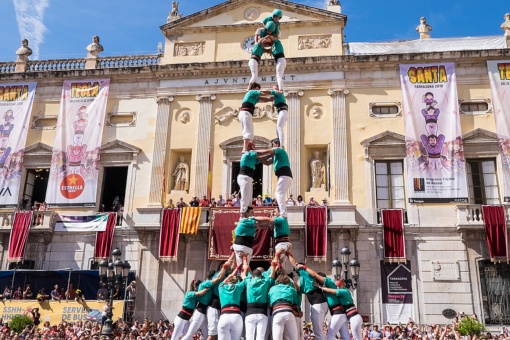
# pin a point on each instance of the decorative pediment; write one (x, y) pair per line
(233, 147)
(117, 151)
(224, 115)
(248, 12)
(385, 145)
(38, 149)
(117, 146)
(480, 143)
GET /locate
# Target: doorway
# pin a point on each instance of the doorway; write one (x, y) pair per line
(257, 180)
(36, 184)
(114, 185)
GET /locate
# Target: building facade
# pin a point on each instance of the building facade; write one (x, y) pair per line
(344, 109)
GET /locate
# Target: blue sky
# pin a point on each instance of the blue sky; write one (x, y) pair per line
(127, 27)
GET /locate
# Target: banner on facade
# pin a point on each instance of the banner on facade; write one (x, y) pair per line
(57, 311)
(75, 160)
(81, 223)
(397, 292)
(16, 101)
(435, 157)
(499, 77)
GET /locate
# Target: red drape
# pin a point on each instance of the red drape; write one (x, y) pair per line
(104, 239)
(19, 236)
(393, 234)
(169, 235)
(496, 231)
(221, 227)
(316, 232)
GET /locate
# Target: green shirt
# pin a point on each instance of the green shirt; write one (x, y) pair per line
(230, 294)
(207, 297)
(280, 159)
(252, 97)
(345, 297)
(281, 227)
(190, 301)
(214, 289)
(332, 300)
(277, 24)
(281, 292)
(257, 288)
(279, 98)
(246, 227)
(305, 281)
(249, 160)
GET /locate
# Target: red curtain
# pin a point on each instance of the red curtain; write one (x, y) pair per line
(393, 234)
(169, 235)
(104, 239)
(316, 233)
(496, 231)
(19, 236)
(221, 226)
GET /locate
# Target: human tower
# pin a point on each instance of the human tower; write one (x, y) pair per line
(264, 304)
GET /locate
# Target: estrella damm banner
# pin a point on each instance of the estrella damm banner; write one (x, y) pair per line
(58, 311)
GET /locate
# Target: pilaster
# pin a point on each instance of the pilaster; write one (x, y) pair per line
(293, 142)
(203, 143)
(160, 140)
(341, 173)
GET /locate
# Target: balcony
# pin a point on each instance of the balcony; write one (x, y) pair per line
(42, 221)
(470, 217)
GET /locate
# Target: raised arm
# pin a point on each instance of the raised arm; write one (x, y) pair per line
(246, 266)
(202, 292)
(328, 290)
(312, 273)
(263, 222)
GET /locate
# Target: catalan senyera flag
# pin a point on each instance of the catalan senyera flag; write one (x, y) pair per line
(190, 219)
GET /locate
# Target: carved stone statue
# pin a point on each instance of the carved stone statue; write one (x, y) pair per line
(332, 3)
(424, 29)
(506, 25)
(24, 51)
(174, 14)
(184, 117)
(181, 174)
(95, 48)
(318, 172)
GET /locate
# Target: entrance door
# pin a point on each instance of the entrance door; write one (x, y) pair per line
(36, 184)
(257, 181)
(114, 185)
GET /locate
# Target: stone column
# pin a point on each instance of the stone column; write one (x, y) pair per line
(160, 141)
(341, 173)
(203, 143)
(293, 142)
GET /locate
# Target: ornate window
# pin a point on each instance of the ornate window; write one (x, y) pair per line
(385, 109)
(495, 287)
(475, 106)
(44, 122)
(120, 119)
(482, 181)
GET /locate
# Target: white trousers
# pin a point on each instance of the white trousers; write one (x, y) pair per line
(356, 324)
(318, 314)
(284, 322)
(246, 120)
(285, 246)
(336, 323)
(199, 320)
(256, 326)
(230, 327)
(254, 68)
(239, 248)
(280, 72)
(213, 316)
(299, 328)
(282, 186)
(180, 327)
(246, 190)
(280, 123)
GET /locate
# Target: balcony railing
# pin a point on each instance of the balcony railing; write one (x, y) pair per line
(471, 215)
(379, 216)
(41, 220)
(56, 65)
(9, 67)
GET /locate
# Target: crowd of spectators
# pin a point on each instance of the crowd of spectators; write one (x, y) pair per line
(234, 201)
(162, 329)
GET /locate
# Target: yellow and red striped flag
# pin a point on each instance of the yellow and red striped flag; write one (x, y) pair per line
(190, 219)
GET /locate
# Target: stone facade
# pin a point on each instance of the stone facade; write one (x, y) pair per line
(329, 96)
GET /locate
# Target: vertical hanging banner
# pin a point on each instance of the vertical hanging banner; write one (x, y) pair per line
(397, 292)
(75, 160)
(436, 169)
(499, 77)
(16, 101)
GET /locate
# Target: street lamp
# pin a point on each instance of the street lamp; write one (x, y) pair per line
(340, 268)
(112, 272)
